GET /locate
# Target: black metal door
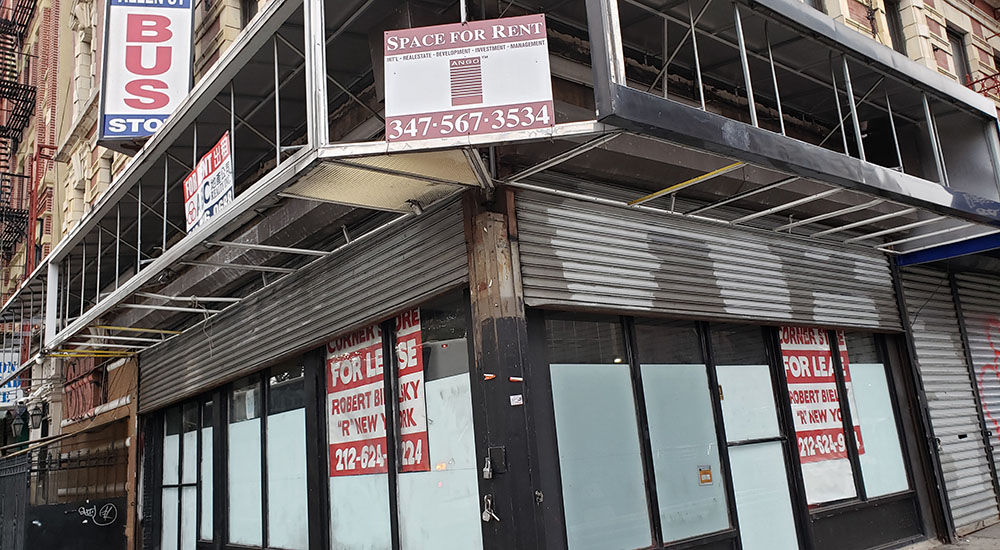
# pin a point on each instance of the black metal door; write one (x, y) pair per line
(14, 491)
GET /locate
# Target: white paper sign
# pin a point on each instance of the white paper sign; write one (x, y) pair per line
(480, 77)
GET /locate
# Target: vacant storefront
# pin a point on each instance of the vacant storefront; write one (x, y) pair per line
(752, 395)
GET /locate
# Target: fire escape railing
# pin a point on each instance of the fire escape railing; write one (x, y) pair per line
(17, 104)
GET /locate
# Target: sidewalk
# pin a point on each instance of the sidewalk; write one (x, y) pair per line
(987, 539)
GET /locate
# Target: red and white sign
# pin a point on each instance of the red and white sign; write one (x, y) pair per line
(147, 65)
(209, 188)
(819, 424)
(480, 77)
(356, 400)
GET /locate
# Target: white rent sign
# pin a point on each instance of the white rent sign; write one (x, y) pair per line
(147, 65)
(481, 77)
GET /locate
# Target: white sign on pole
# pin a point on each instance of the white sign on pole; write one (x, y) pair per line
(480, 77)
(147, 65)
(209, 188)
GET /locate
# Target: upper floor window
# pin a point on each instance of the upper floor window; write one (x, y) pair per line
(959, 59)
(894, 21)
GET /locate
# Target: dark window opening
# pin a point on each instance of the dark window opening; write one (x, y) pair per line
(959, 57)
(895, 24)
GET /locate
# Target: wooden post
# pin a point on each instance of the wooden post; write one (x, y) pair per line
(501, 346)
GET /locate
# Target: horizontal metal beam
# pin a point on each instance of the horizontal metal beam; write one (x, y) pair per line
(869, 221)
(786, 206)
(946, 243)
(169, 308)
(244, 267)
(741, 196)
(562, 157)
(268, 248)
(137, 329)
(206, 299)
(105, 345)
(923, 236)
(892, 230)
(688, 183)
(120, 338)
(829, 215)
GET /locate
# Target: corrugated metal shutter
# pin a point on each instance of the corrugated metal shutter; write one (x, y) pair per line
(950, 397)
(424, 255)
(980, 297)
(581, 254)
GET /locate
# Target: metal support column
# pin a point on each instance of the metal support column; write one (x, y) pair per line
(166, 185)
(317, 121)
(51, 301)
(138, 230)
(774, 79)
(97, 284)
(83, 274)
(118, 243)
(697, 59)
(277, 106)
(854, 108)
(840, 114)
(744, 61)
(892, 125)
(932, 134)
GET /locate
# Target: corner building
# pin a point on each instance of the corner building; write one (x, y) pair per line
(742, 294)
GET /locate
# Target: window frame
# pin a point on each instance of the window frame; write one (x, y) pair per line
(547, 461)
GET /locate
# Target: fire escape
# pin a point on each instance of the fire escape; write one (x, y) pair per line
(17, 104)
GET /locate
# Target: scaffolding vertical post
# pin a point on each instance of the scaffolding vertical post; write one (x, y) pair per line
(166, 185)
(774, 78)
(118, 243)
(840, 114)
(464, 11)
(51, 301)
(232, 118)
(892, 125)
(100, 252)
(317, 121)
(944, 164)
(65, 305)
(853, 106)
(138, 230)
(745, 62)
(932, 134)
(20, 336)
(666, 55)
(277, 105)
(83, 274)
(697, 58)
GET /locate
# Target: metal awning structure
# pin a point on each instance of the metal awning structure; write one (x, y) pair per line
(299, 92)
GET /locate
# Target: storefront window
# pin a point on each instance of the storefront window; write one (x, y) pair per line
(439, 481)
(600, 459)
(245, 490)
(179, 481)
(207, 486)
(287, 516)
(882, 466)
(756, 456)
(690, 483)
(813, 390)
(359, 483)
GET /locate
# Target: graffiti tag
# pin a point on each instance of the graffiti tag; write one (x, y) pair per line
(105, 516)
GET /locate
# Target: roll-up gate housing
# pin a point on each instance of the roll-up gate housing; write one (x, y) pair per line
(951, 398)
(370, 280)
(582, 254)
(980, 300)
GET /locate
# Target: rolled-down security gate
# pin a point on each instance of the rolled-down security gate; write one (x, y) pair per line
(979, 297)
(951, 396)
(581, 254)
